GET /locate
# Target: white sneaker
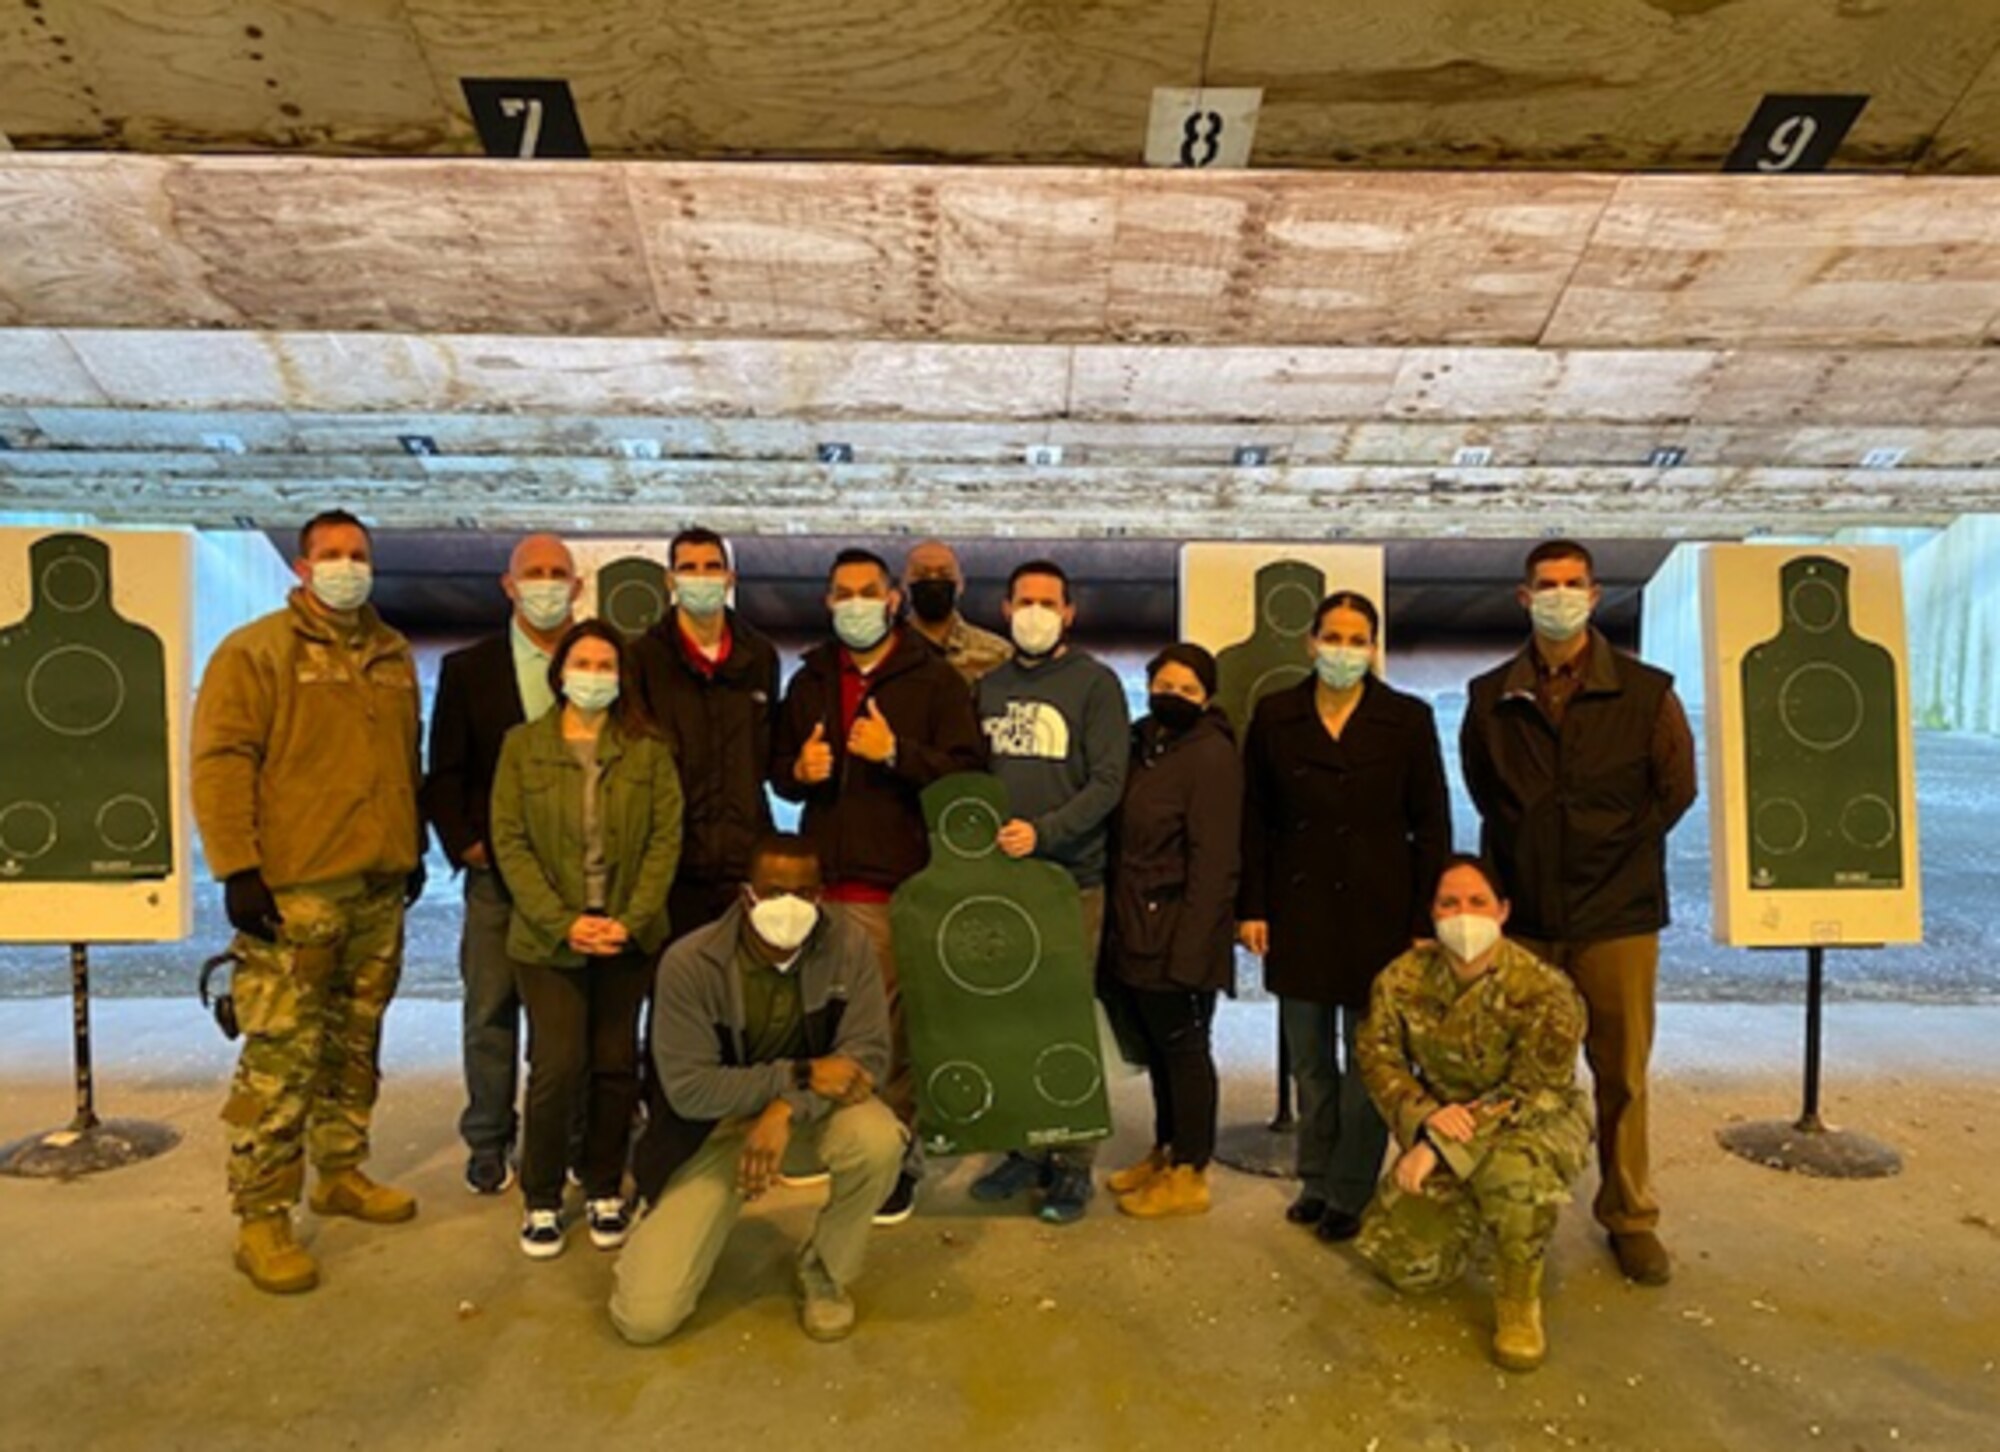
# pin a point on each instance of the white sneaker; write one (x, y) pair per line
(542, 1235)
(610, 1222)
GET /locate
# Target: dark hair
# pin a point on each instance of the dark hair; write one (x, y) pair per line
(1349, 600)
(1481, 865)
(1194, 657)
(327, 518)
(695, 534)
(1039, 567)
(791, 846)
(629, 711)
(1557, 549)
(855, 555)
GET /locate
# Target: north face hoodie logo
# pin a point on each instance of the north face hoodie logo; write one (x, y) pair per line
(1030, 728)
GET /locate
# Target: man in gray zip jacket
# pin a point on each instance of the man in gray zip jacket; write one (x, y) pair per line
(770, 1033)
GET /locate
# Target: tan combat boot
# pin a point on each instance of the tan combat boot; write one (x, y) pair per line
(349, 1192)
(1518, 1342)
(1181, 1190)
(266, 1252)
(1134, 1178)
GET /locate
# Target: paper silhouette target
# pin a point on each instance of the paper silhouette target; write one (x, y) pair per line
(1819, 736)
(1253, 605)
(1812, 799)
(85, 774)
(996, 985)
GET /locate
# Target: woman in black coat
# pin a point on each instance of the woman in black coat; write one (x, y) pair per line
(1171, 945)
(1345, 825)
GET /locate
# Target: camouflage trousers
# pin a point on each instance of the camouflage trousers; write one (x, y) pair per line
(1511, 1181)
(310, 1006)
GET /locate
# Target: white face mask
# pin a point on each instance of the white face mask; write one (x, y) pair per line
(783, 920)
(590, 690)
(1037, 629)
(544, 603)
(701, 595)
(860, 622)
(1467, 935)
(1561, 613)
(342, 585)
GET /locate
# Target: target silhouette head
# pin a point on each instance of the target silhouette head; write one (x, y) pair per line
(1815, 592)
(71, 572)
(964, 813)
(1287, 592)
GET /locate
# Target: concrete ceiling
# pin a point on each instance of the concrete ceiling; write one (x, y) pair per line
(1615, 84)
(626, 346)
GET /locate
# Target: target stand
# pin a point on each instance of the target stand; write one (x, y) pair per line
(1270, 1150)
(1808, 1145)
(86, 1144)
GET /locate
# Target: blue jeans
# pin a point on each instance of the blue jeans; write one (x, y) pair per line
(1341, 1137)
(492, 1016)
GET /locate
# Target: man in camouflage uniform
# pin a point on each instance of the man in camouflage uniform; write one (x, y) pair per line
(305, 780)
(1499, 1049)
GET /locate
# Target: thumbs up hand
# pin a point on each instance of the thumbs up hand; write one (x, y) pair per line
(871, 739)
(815, 763)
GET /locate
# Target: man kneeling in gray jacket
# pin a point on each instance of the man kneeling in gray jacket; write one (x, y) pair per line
(770, 1033)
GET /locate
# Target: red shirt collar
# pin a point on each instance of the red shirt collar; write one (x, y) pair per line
(696, 657)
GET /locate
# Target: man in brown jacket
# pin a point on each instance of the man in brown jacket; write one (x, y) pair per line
(305, 789)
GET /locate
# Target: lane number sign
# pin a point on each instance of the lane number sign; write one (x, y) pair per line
(524, 118)
(1794, 133)
(1193, 127)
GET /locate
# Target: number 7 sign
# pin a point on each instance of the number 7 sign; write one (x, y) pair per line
(524, 118)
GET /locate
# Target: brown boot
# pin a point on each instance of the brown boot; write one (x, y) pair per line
(266, 1252)
(349, 1192)
(1642, 1258)
(1137, 1177)
(1180, 1190)
(1518, 1341)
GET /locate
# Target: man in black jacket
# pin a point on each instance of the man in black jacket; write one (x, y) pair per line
(871, 718)
(711, 681)
(484, 691)
(1580, 761)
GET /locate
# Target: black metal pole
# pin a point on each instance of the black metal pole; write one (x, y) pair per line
(1283, 1120)
(1815, 992)
(79, 991)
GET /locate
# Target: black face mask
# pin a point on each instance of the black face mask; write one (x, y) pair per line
(1175, 713)
(933, 600)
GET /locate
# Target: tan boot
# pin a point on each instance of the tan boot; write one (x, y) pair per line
(1136, 1177)
(1518, 1341)
(349, 1192)
(1180, 1190)
(266, 1252)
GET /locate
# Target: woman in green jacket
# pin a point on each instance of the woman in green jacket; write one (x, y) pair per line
(586, 827)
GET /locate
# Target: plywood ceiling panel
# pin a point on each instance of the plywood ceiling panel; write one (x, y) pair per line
(1809, 261)
(1582, 83)
(1968, 141)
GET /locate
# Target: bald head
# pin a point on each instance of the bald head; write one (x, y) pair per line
(933, 560)
(541, 580)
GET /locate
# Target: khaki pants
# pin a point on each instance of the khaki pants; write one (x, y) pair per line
(674, 1248)
(1616, 977)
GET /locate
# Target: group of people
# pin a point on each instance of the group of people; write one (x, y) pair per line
(712, 1005)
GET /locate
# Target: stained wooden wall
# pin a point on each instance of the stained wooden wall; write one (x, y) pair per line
(1571, 84)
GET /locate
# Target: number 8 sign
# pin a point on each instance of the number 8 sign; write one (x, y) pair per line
(1196, 127)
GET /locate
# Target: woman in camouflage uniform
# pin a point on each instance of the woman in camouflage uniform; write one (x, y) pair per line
(1469, 1050)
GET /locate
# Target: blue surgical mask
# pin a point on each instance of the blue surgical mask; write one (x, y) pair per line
(342, 585)
(544, 603)
(1561, 613)
(1340, 666)
(861, 623)
(701, 595)
(590, 690)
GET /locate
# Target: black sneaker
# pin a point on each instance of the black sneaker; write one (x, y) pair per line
(901, 1204)
(1010, 1177)
(610, 1221)
(488, 1172)
(1069, 1192)
(542, 1235)
(1306, 1210)
(1337, 1225)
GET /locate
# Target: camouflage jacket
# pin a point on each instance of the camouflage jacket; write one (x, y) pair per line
(1507, 1038)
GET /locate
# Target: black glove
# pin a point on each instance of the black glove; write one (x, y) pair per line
(251, 908)
(413, 885)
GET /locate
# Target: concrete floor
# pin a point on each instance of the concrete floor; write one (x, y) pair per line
(1805, 1313)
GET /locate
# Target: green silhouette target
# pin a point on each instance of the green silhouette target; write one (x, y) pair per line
(1285, 594)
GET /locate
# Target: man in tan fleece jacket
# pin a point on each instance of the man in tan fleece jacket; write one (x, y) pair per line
(305, 782)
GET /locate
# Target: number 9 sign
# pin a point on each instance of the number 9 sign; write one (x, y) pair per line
(1794, 133)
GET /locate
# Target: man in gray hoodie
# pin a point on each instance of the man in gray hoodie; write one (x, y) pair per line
(770, 1033)
(1059, 736)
